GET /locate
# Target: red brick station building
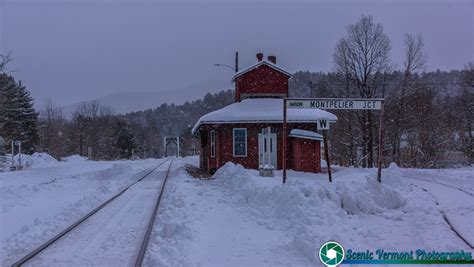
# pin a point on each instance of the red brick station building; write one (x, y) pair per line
(236, 132)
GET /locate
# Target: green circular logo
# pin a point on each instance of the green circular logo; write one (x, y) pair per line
(331, 253)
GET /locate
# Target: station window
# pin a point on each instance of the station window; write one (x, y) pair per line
(240, 142)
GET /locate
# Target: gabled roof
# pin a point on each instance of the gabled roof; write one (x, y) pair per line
(258, 64)
(261, 110)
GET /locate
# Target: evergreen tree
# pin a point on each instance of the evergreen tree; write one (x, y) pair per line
(28, 118)
(124, 139)
(18, 119)
(9, 120)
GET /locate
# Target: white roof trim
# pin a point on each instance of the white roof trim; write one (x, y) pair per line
(299, 133)
(258, 64)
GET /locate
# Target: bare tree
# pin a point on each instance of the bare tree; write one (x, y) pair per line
(93, 109)
(52, 125)
(4, 60)
(465, 104)
(414, 60)
(91, 127)
(362, 56)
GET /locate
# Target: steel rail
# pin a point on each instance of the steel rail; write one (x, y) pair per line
(146, 237)
(46, 244)
(436, 182)
(446, 219)
(445, 216)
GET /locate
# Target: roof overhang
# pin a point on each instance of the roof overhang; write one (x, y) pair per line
(305, 134)
(195, 131)
(260, 110)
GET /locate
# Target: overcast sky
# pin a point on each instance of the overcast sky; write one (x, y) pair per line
(77, 50)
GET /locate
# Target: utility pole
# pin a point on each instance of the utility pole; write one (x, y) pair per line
(236, 61)
(283, 151)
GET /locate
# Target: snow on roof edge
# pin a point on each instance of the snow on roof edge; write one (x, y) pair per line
(260, 110)
(305, 134)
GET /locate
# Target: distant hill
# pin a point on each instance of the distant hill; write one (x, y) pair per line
(135, 101)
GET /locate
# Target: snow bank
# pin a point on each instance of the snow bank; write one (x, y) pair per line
(354, 197)
(368, 197)
(36, 160)
(74, 159)
(301, 207)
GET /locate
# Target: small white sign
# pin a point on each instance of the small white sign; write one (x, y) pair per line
(336, 103)
(323, 124)
(17, 143)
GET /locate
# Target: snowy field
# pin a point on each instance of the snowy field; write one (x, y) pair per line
(39, 202)
(239, 218)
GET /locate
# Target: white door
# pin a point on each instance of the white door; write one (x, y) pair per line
(267, 149)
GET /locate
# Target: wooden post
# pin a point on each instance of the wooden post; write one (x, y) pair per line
(326, 154)
(13, 155)
(283, 150)
(19, 155)
(379, 160)
(177, 139)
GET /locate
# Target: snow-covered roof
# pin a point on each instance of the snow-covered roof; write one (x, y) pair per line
(299, 133)
(256, 65)
(261, 110)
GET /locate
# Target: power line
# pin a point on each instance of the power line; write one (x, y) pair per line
(437, 83)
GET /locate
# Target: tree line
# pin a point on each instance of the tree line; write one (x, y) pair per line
(428, 116)
(95, 131)
(428, 119)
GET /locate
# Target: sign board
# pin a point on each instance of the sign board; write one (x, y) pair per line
(323, 124)
(336, 103)
(17, 143)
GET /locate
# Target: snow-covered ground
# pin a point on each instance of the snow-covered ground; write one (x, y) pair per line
(236, 219)
(241, 219)
(37, 203)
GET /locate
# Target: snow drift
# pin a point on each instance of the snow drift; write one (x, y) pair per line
(353, 197)
(301, 207)
(74, 159)
(36, 160)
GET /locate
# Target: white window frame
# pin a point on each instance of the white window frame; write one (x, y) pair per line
(213, 143)
(233, 142)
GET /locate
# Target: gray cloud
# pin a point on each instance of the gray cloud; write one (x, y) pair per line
(75, 50)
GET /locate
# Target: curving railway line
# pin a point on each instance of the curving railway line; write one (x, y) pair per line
(446, 213)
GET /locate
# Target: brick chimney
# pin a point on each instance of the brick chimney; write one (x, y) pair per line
(272, 59)
(259, 56)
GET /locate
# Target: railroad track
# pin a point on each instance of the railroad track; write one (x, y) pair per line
(443, 213)
(144, 240)
(435, 182)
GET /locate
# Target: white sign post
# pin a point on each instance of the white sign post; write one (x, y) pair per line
(323, 124)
